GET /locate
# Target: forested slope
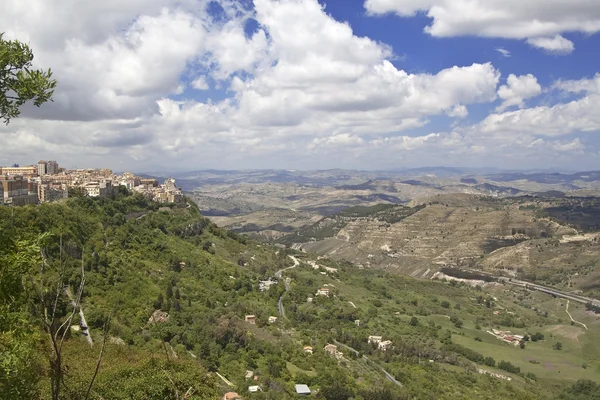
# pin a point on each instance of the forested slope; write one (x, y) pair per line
(164, 297)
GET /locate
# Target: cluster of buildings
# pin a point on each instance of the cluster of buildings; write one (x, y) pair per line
(381, 344)
(506, 336)
(47, 181)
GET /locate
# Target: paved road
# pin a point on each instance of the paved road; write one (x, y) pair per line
(278, 275)
(545, 289)
(389, 376)
(540, 288)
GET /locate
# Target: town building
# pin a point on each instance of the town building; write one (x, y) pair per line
(49, 192)
(30, 170)
(42, 168)
(52, 168)
(18, 191)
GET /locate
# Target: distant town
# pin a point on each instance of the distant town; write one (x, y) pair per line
(46, 181)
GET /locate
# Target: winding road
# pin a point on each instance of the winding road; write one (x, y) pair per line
(278, 275)
(389, 376)
(570, 316)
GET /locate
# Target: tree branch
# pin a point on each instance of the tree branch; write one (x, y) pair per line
(106, 328)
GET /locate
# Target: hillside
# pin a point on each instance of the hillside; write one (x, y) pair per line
(167, 293)
(545, 239)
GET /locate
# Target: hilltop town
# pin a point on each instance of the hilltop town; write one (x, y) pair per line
(46, 181)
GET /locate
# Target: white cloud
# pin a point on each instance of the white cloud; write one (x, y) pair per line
(200, 83)
(302, 90)
(558, 120)
(517, 89)
(537, 20)
(555, 45)
(505, 53)
(459, 111)
(578, 86)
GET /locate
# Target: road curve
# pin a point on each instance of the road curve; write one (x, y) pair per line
(389, 376)
(278, 275)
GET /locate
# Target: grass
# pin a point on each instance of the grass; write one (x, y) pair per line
(294, 370)
(579, 346)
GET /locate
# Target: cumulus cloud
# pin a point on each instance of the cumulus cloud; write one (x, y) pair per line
(555, 45)
(517, 89)
(299, 86)
(539, 21)
(558, 120)
(578, 86)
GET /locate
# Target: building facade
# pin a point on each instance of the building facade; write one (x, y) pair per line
(42, 168)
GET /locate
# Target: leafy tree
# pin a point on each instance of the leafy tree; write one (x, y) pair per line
(537, 336)
(489, 361)
(445, 304)
(414, 321)
(18, 82)
(557, 346)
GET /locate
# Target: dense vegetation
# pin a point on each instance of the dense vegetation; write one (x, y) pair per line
(165, 293)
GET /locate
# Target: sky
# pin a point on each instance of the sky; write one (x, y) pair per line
(175, 85)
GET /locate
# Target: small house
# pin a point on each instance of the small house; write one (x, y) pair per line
(308, 349)
(231, 396)
(331, 349)
(386, 344)
(249, 374)
(254, 389)
(272, 320)
(302, 390)
(375, 339)
(357, 322)
(251, 319)
(323, 292)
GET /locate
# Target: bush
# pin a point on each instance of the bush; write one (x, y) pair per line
(489, 361)
(509, 367)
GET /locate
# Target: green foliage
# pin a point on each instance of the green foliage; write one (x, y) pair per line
(557, 346)
(583, 389)
(509, 367)
(18, 82)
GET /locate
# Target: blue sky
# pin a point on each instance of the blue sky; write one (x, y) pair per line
(192, 84)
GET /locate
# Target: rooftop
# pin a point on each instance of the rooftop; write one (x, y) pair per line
(302, 389)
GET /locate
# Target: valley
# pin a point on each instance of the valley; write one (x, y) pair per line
(454, 295)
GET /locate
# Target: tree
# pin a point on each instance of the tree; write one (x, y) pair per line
(414, 321)
(557, 346)
(18, 82)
